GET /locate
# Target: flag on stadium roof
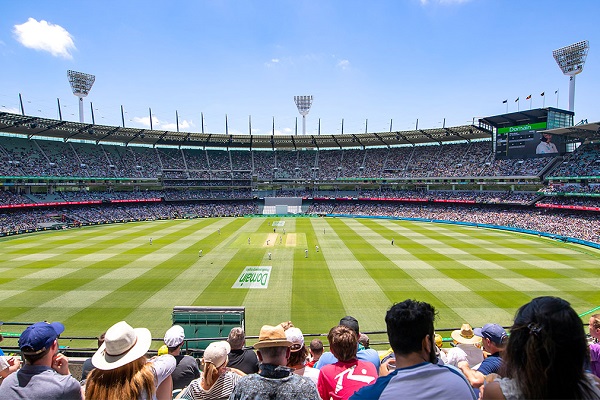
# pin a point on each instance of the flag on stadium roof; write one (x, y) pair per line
(543, 94)
(517, 99)
(505, 101)
(528, 97)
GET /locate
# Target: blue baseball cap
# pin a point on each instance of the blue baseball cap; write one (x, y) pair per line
(38, 337)
(493, 332)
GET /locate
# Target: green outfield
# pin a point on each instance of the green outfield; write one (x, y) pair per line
(90, 278)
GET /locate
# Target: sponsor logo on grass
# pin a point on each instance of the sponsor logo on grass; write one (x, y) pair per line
(278, 223)
(253, 278)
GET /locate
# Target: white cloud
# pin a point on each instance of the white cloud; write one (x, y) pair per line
(184, 125)
(42, 35)
(343, 64)
(272, 62)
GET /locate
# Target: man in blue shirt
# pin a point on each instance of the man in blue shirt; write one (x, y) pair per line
(45, 374)
(494, 342)
(417, 374)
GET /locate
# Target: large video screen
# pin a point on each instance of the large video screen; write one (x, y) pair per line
(524, 141)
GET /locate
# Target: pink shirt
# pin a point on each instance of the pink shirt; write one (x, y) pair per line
(340, 380)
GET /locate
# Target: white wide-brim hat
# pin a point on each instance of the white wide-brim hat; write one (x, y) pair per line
(122, 345)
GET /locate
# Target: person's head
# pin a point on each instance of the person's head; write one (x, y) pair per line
(351, 323)
(595, 326)
(547, 350)
(363, 339)
(214, 361)
(316, 348)
(465, 335)
(298, 351)
(174, 338)
(546, 137)
(121, 368)
(343, 343)
(101, 339)
(236, 338)
(39, 340)
(493, 336)
(272, 346)
(410, 328)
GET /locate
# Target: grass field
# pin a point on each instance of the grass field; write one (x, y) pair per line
(90, 278)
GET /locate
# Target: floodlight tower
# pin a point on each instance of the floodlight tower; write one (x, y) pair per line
(80, 84)
(570, 60)
(303, 103)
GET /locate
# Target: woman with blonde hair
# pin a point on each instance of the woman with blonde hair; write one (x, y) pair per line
(217, 380)
(122, 370)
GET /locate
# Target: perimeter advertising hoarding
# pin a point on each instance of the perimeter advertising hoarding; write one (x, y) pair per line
(524, 141)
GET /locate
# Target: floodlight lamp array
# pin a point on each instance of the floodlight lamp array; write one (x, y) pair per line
(303, 103)
(570, 59)
(81, 83)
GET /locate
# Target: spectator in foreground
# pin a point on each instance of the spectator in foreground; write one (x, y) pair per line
(494, 340)
(417, 374)
(595, 346)
(466, 347)
(316, 350)
(218, 380)
(545, 355)
(87, 364)
(299, 355)
(274, 380)
(122, 370)
(340, 380)
(186, 369)
(240, 357)
(8, 365)
(370, 355)
(45, 374)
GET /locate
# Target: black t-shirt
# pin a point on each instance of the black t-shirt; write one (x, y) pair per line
(245, 360)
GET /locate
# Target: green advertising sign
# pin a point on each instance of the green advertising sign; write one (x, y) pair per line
(521, 128)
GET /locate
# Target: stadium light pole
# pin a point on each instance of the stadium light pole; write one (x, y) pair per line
(303, 103)
(570, 60)
(81, 84)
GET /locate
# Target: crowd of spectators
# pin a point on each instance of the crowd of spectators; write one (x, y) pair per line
(580, 225)
(584, 161)
(546, 355)
(37, 157)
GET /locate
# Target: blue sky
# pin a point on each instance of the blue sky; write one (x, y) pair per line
(399, 60)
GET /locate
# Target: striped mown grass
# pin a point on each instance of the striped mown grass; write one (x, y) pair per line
(89, 278)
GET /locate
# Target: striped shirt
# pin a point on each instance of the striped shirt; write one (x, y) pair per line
(220, 390)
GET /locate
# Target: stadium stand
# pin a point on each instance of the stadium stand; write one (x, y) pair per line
(436, 174)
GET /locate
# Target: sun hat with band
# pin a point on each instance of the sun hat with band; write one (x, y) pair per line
(272, 336)
(295, 336)
(122, 345)
(465, 335)
(216, 353)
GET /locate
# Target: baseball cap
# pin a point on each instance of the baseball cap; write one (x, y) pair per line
(216, 353)
(493, 332)
(174, 336)
(295, 336)
(38, 337)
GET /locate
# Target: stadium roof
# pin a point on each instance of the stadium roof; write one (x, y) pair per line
(581, 132)
(522, 117)
(33, 127)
